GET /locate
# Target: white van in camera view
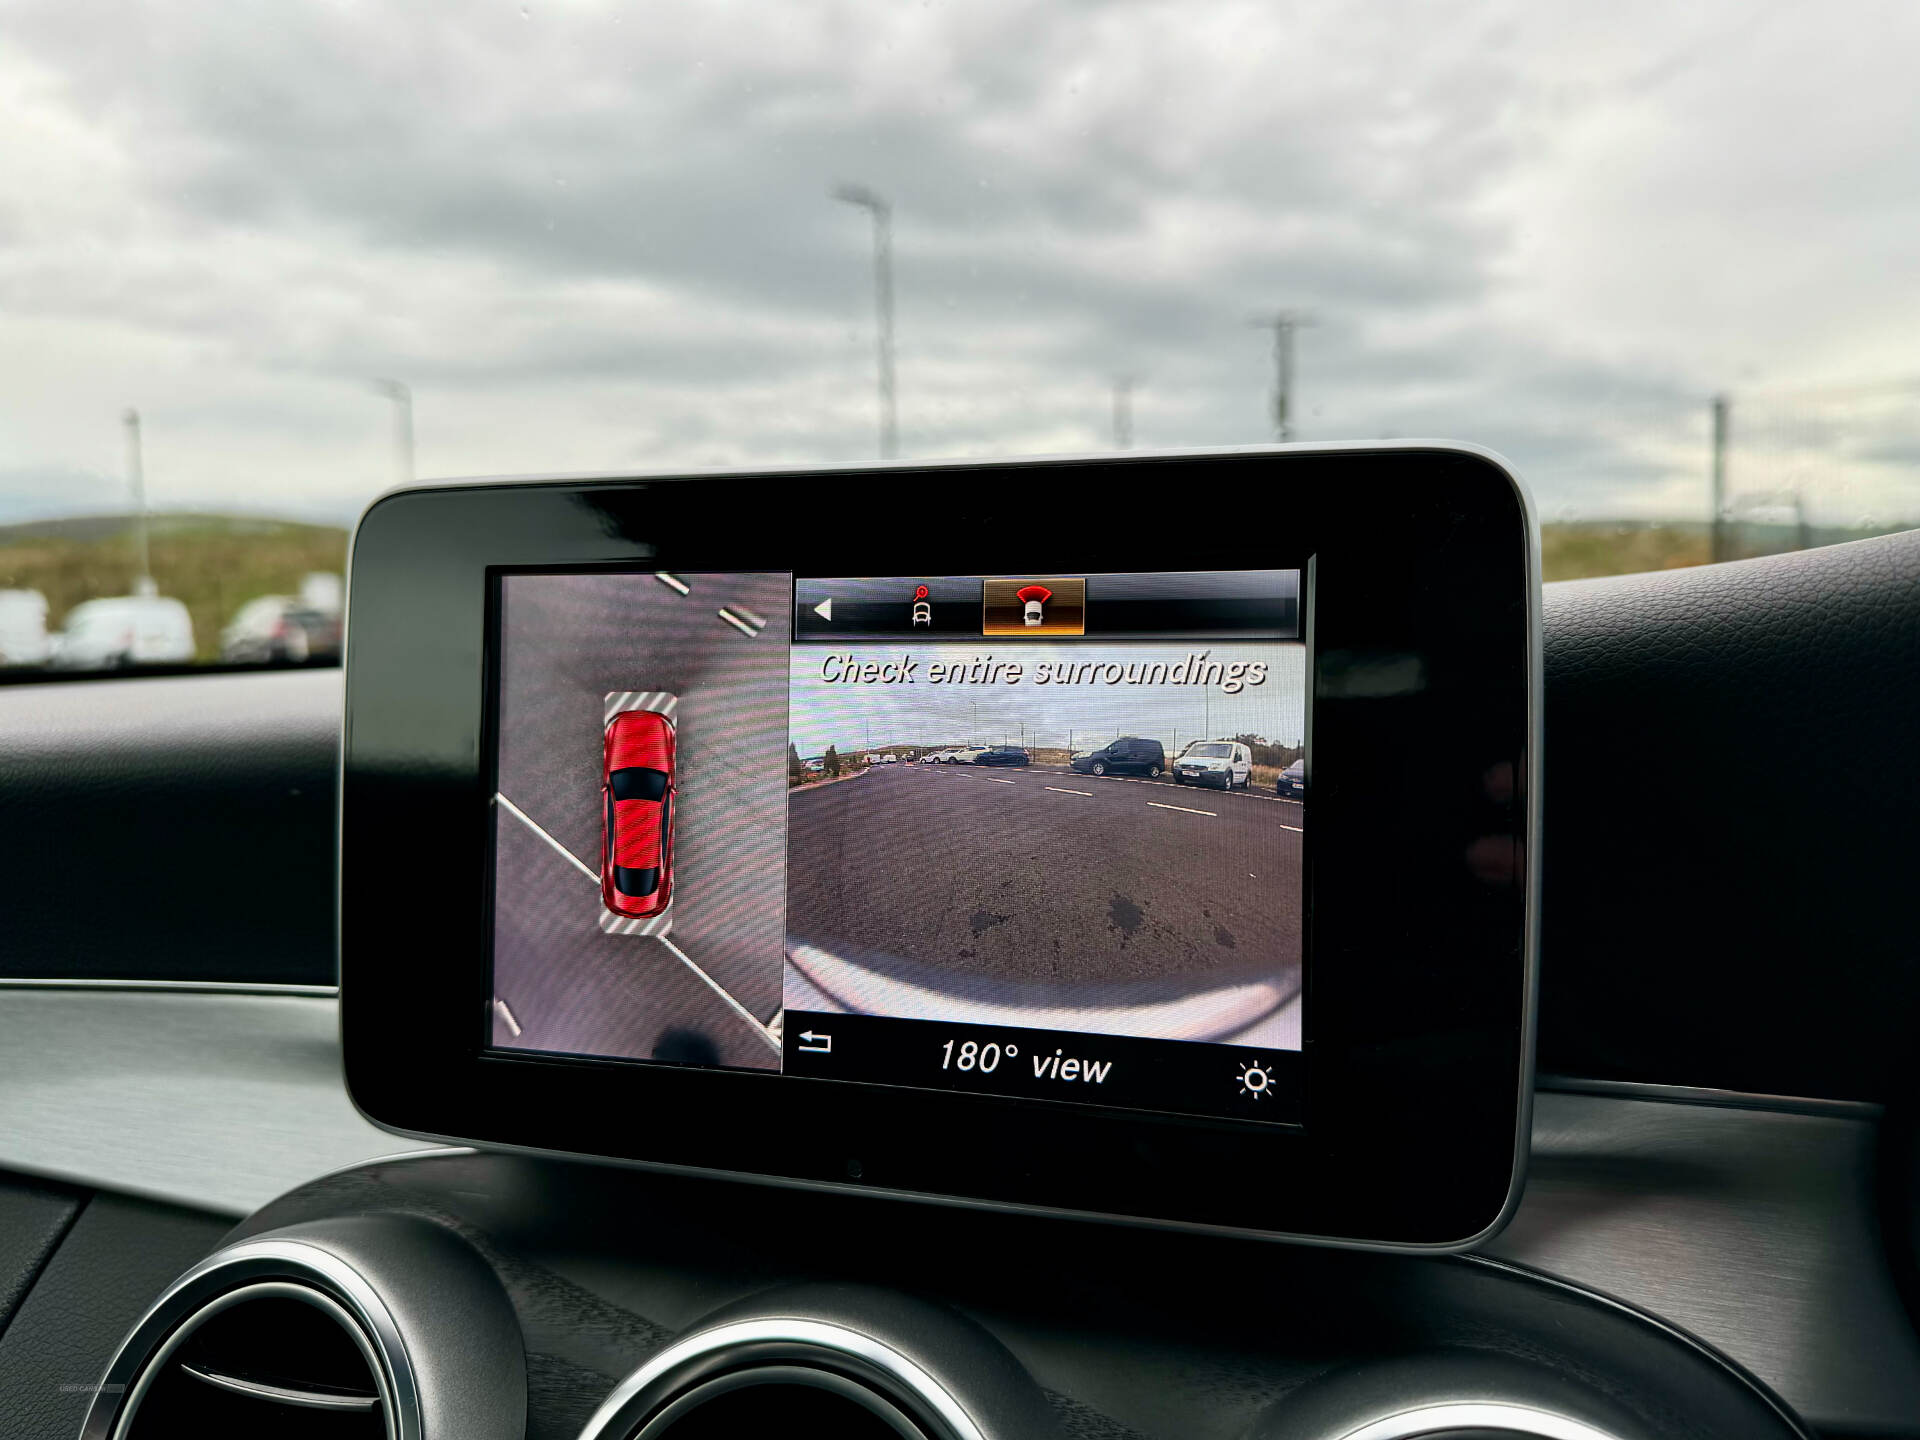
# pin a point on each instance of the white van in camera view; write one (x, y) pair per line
(23, 628)
(125, 630)
(1225, 763)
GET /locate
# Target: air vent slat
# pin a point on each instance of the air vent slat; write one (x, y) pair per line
(310, 1396)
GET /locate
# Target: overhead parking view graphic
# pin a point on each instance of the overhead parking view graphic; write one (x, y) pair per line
(1054, 866)
(638, 826)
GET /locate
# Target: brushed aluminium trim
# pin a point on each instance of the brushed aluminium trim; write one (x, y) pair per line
(213, 987)
(1530, 922)
(1707, 1095)
(1439, 1420)
(253, 1268)
(635, 1397)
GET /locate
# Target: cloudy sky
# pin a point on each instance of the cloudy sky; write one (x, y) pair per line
(598, 236)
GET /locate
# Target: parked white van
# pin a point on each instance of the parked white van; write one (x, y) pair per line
(23, 628)
(125, 630)
(1226, 763)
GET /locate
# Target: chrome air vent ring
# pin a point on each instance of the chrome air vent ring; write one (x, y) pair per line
(377, 1327)
(250, 1271)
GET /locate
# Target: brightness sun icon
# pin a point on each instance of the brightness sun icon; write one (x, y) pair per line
(1256, 1080)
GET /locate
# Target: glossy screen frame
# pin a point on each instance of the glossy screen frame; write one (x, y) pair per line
(1422, 565)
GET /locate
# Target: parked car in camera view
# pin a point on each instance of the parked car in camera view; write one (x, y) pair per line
(1293, 779)
(1003, 755)
(969, 755)
(1129, 755)
(637, 790)
(1225, 763)
(125, 630)
(280, 628)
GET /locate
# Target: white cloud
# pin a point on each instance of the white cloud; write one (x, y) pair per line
(598, 236)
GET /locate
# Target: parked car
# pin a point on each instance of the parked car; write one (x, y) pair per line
(23, 628)
(969, 755)
(1003, 755)
(943, 757)
(636, 845)
(889, 759)
(280, 627)
(125, 630)
(1129, 755)
(1225, 763)
(1293, 779)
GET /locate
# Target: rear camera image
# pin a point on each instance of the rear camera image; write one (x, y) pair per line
(1079, 836)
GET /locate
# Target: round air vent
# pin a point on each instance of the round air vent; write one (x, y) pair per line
(846, 1361)
(271, 1358)
(378, 1327)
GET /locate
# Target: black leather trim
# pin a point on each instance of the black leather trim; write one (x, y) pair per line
(171, 829)
(1731, 803)
(117, 1257)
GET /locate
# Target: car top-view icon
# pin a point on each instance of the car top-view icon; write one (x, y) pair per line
(636, 845)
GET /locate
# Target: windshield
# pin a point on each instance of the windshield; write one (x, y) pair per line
(1212, 752)
(259, 267)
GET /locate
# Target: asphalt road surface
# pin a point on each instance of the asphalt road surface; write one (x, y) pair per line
(707, 991)
(1008, 878)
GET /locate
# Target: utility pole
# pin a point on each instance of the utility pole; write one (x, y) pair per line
(1123, 412)
(137, 482)
(402, 399)
(1283, 323)
(882, 214)
(1718, 518)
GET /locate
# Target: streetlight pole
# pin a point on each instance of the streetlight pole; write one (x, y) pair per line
(402, 399)
(1283, 323)
(137, 482)
(882, 214)
(1123, 412)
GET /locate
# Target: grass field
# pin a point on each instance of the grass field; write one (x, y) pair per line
(213, 563)
(216, 563)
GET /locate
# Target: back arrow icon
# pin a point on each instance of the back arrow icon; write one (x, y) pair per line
(824, 609)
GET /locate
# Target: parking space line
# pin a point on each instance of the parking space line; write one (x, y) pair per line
(1058, 791)
(1183, 809)
(743, 620)
(1297, 829)
(994, 780)
(672, 582)
(500, 1008)
(534, 825)
(715, 986)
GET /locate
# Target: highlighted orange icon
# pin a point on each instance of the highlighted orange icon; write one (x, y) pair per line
(1033, 608)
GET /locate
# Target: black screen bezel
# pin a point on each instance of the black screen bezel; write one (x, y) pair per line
(1419, 965)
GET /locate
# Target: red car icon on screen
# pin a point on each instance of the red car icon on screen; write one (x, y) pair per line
(636, 785)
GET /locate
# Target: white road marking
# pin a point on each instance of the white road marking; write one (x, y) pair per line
(1184, 809)
(1058, 791)
(533, 825)
(993, 780)
(500, 1007)
(1297, 829)
(672, 582)
(739, 1009)
(743, 620)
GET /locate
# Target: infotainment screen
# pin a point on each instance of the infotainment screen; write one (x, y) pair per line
(1037, 835)
(838, 828)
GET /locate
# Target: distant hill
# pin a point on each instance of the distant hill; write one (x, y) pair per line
(213, 563)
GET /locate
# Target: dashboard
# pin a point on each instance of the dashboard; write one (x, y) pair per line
(1713, 1237)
